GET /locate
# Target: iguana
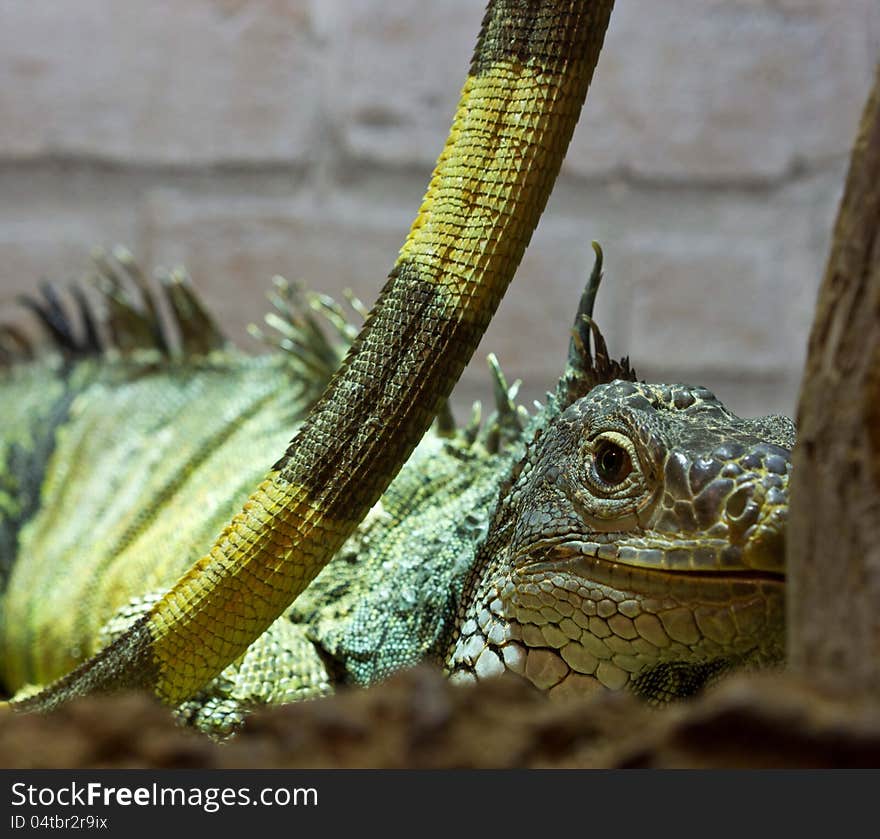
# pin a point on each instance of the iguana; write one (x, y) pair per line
(627, 534)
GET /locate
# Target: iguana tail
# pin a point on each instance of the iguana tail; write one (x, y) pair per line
(528, 79)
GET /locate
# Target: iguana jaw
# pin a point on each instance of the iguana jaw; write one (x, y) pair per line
(578, 566)
(572, 623)
(640, 604)
(656, 555)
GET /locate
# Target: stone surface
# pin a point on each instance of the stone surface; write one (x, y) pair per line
(48, 223)
(395, 73)
(687, 89)
(194, 82)
(722, 90)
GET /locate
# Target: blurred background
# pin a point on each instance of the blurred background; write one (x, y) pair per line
(245, 138)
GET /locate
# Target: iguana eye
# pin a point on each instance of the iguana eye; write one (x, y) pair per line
(612, 462)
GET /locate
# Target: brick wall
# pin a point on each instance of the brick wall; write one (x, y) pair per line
(246, 138)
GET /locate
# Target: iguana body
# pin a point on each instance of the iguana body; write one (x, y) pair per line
(467, 561)
(426, 581)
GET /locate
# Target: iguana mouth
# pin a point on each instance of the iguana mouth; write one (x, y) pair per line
(703, 559)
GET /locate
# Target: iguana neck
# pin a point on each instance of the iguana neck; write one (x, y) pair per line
(528, 79)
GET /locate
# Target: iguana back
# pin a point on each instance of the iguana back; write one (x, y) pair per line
(137, 472)
(120, 470)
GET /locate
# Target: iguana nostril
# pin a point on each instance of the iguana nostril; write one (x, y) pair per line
(736, 504)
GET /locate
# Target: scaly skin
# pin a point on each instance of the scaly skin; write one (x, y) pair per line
(83, 574)
(529, 77)
(117, 468)
(143, 474)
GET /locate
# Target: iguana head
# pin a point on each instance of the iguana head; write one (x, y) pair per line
(640, 544)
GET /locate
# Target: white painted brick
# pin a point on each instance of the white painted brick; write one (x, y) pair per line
(396, 70)
(711, 286)
(707, 89)
(696, 297)
(160, 81)
(719, 290)
(232, 246)
(47, 228)
(873, 32)
(725, 89)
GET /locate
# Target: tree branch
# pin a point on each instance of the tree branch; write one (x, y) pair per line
(834, 542)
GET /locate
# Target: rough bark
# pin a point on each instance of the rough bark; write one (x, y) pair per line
(834, 541)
